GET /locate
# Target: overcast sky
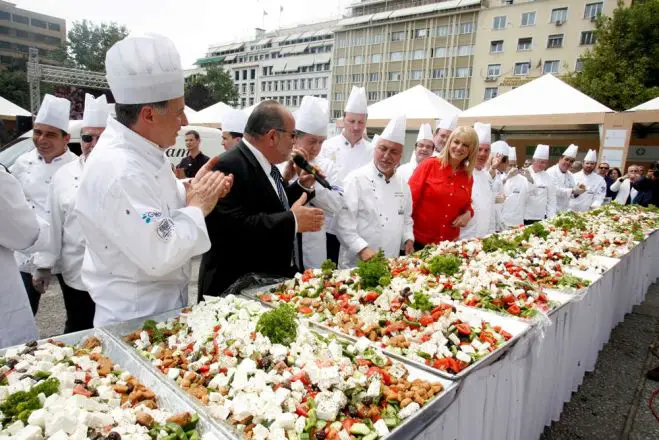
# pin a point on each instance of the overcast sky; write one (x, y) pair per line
(191, 24)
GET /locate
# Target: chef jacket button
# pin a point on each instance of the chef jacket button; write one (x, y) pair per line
(75, 178)
(47, 212)
(448, 204)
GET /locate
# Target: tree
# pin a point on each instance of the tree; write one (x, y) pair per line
(209, 88)
(88, 43)
(622, 70)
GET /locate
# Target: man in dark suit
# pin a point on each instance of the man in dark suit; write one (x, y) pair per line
(253, 229)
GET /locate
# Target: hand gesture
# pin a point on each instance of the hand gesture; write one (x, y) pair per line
(579, 189)
(366, 254)
(204, 193)
(41, 280)
(409, 247)
(308, 219)
(461, 220)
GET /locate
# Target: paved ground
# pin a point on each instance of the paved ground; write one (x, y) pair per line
(612, 403)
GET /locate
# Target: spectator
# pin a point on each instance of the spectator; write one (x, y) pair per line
(576, 167)
(195, 159)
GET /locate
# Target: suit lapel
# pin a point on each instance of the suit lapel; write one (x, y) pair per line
(262, 179)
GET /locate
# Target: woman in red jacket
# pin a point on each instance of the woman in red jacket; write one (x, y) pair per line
(441, 190)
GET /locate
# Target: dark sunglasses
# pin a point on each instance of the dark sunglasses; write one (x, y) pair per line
(88, 137)
(604, 168)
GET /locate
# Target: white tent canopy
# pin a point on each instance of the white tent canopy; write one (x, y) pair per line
(209, 115)
(415, 103)
(189, 111)
(11, 110)
(250, 109)
(652, 104)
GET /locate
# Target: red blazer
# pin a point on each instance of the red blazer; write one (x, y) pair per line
(439, 196)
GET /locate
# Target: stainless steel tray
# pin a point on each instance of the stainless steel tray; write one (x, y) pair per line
(167, 398)
(409, 429)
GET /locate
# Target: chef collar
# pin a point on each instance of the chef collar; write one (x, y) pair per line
(381, 175)
(346, 142)
(55, 159)
(134, 141)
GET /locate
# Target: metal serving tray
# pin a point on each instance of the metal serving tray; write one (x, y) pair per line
(167, 398)
(409, 429)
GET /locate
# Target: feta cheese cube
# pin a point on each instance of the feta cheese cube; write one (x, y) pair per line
(381, 428)
(464, 357)
(409, 410)
(173, 373)
(327, 408)
(15, 427)
(260, 432)
(59, 435)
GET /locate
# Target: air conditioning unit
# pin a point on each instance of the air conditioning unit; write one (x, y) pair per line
(490, 79)
(559, 23)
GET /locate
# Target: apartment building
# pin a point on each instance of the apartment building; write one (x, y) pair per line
(284, 65)
(21, 29)
(520, 40)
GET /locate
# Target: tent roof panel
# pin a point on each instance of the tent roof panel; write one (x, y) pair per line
(652, 104)
(8, 108)
(417, 103)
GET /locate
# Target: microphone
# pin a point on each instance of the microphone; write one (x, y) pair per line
(304, 164)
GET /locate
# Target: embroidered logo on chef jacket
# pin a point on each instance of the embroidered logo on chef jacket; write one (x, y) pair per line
(400, 197)
(516, 191)
(165, 229)
(150, 216)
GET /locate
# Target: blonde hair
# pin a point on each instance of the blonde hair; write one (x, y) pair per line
(469, 136)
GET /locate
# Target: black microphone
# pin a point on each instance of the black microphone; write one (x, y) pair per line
(304, 164)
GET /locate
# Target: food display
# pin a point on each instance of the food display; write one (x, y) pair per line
(271, 376)
(57, 391)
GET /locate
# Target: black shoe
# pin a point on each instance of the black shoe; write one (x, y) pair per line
(653, 374)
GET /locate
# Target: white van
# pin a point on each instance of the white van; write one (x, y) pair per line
(211, 144)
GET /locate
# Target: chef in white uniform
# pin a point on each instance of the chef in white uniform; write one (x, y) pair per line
(233, 127)
(68, 242)
(377, 213)
(563, 179)
(20, 229)
(423, 149)
(541, 202)
(482, 196)
(35, 170)
(593, 183)
(141, 224)
(311, 121)
(443, 129)
(516, 190)
(347, 152)
(498, 170)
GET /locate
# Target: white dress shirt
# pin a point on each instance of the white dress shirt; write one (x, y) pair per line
(564, 183)
(541, 201)
(623, 189)
(140, 236)
(482, 201)
(595, 191)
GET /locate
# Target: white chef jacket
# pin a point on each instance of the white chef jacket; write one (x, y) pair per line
(541, 201)
(68, 242)
(405, 171)
(375, 214)
(564, 183)
(516, 189)
(623, 190)
(140, 236)
(497, 188)
(35, 176)
(20, 229)
(595, 191)
(482, 201)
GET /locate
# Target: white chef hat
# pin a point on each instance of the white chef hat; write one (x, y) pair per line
(541, 152)
(96, 111)
(234, 121)
(142, 69)
(591, 156)
(448, 123)
(357, 101)
(425, 133)
(395, 130)
(512, 154)
(571, 151)
(54, 112)
(500, 147)
(484, 132)
(313, 116)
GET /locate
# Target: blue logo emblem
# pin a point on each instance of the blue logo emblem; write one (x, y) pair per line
(149, 216)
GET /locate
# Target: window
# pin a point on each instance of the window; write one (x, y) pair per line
(264, 71)
(417, 74)
(439, 93)
(493, 70)
(465, 50)
(555, 41)
(374, 76)
(276, 86)
(377, 39)
(593, 10)
(244, 89)
(440, 52)
(442, 31)
(438, 73)
(418, 54)
(337, 114)
(394, 76)
(466, 28)
(396, 56)
(341, 61)
(357, 77)
(372, 96)
(390, 93)
(324, 83)
(522, 68)
(303, 82)
(252, 74)
(42, 24)
(295, 84)
(316, 83)
(359, 59)
(461, 93)
(338, 96)
(21, 34)
(294, 101)
(237, 75)
(4, 15)
(420, 33)
(288, 101)
(342, 43)
(528, 19)
(551, 66)
(376, 58)
(288, 84)
(4, 30)
(20, 19)
(490, 92)
(524, 44)
(339, 79)
(319, 67)
(559, 15)
(463, 72)
(499, 22)
(398, 36)
(587, 37)
(496, 46)
(578, 67)
(244, 74)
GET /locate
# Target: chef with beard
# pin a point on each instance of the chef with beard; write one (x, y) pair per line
(423, 149)
(541, 202)
(563, 179)
(593, 184)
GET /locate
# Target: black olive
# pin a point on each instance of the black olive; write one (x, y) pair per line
(11, 363)
(79, 382)
(94, 392)
(350, 281)
(31, 344)
(113, 436)
(29, 350)
(21, 370)
(352, 411)
(94, 435)
(367, 400)
(27, 376)
(320, 435)
(195, 357)
(129, 387)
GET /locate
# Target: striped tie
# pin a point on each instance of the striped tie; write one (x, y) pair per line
(276, 175)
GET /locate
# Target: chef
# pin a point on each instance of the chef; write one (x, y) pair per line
(233, 127)
(423, 149)
(20, 229)
(443, 129)
(516, 190)
(311, 121)
(498, 170)
(541, 202)
(377, 213)
(563, 179)
(482, 196)
(35, 170)
(68, 242)
(142, 225)
(347, 152)
(592, 183)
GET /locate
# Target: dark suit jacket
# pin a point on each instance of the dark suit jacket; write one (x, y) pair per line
(250, 231)
(646, 188)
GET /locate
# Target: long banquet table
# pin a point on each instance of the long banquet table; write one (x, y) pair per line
(521, 393)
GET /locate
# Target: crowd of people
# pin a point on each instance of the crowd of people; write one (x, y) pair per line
(119, 227)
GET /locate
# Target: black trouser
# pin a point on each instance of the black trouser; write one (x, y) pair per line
(333, 246)
(32, 293)
(80, 308)
(530, 222)
(418, 246)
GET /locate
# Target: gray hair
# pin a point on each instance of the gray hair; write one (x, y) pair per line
(266, 116)
(127, 114)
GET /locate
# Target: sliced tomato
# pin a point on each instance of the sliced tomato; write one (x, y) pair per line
(305, 310)
(204, 369)
(301, 411)
(395, 305)
(522, 296)
(425, 338)
(386, 378)
(370, 297)
(509, 299)
(228, 352)
(307, 275)
(266, 298)
(442, 364)
(497, 302)
(302, 377)
(79, 389)
(363, 362)
(394, 327)
(542, 298)
(514, 310)
(426, 320)
(463, 328)
(507, 336)
(347, 424)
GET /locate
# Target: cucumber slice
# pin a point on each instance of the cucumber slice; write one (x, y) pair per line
(359, 429)
(371, 436)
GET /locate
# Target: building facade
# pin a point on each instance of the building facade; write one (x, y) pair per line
(21, 29)
(284, 65)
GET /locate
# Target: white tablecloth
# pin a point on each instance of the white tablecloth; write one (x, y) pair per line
(521, 393)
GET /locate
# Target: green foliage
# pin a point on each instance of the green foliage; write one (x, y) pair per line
(88, 43)
(19, 405)
(279, 325)
(572, 281)
(210, 88)
(328, 267)
(622, 70)
(374, 272)
(569, 220)
(422, 302)
(494, 242)
(156, 334)
(536, 229)
(444, 264)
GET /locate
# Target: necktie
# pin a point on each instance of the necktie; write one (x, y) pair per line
(281, 193)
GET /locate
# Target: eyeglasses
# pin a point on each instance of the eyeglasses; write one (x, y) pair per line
(89, 137)
(604, 167)
(292, 133)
